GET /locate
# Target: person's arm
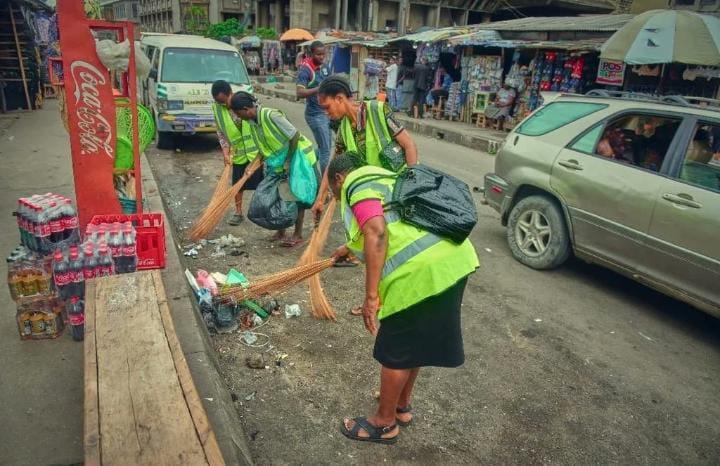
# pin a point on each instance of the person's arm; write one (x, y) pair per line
(303, 92)
(292, 144)
(303, 81)
(225, 146)
(406, 142)
(376, 243)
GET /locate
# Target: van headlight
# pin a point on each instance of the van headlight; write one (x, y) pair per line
(165, 105)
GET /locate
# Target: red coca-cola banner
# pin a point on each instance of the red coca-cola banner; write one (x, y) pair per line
(91, 114)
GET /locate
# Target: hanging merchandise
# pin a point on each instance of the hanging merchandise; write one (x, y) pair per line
(483, 73)
(373, 69)
(272, 55)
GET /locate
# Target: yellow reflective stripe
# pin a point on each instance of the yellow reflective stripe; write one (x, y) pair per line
(280, 138)
(408, 252)
(379, 129)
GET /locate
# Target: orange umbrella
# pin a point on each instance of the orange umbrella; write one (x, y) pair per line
(296, 34)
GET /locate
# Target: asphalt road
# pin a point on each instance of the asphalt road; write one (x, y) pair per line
(574, 366)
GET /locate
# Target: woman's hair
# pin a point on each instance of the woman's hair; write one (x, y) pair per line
(341, 163)
(241, 100)
(335, 84)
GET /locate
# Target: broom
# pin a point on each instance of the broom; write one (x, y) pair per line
(220, 189)
(320, 305)
(215, 211)
(273, 283)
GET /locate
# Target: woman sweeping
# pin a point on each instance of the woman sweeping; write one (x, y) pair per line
(414, 285)
(275, 137)
(366, 129)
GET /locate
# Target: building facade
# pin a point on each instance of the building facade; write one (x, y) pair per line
(121, 10)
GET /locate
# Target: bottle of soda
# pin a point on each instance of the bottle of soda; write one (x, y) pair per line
(129, 248)
(70, 220)
(115, 243)
(61, 274)
(76, 316)
(55, 217)
(105, 260)
(43, 230)
(76, 269)
(89, 262)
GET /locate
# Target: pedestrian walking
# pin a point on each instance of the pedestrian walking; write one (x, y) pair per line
(277, 140)
(391, 83)
(311, 74)
(366, 129)
(422, 82)
(414, 285)
(236, 141)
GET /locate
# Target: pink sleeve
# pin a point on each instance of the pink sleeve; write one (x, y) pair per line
(367, 209)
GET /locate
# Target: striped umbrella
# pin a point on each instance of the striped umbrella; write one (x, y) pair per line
(666, 36)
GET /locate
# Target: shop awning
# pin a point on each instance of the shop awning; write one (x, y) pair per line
(477, 38)
(596, 23)
(327, 40)
(434, 35)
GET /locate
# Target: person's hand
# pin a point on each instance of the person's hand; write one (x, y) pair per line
(371, 306)
(340, 252)
(317, 208)
(226, 157)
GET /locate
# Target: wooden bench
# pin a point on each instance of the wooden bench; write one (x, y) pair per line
(141, 406)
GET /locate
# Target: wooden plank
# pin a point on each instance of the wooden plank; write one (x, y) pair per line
(144, 419)
(91, 425)
(202, 425)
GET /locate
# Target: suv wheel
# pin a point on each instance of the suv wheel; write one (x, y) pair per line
(536, 233)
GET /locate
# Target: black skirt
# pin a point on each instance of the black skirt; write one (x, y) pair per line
(251, 184)
(425, 334)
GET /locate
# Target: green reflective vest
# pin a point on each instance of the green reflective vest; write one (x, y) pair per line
(240, 138)
(273, 143)
(418, 264)
(377, 134)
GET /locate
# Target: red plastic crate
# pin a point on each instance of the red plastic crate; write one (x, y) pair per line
(150, 237)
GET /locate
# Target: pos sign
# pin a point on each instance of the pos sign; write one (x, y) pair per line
(90, 110)
(611, 72)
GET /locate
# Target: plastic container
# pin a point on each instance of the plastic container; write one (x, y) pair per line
(149, 237)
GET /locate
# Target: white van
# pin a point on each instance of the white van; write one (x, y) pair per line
(178, 87)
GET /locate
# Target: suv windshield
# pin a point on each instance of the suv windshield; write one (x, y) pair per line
(202, 65)
(555, 115)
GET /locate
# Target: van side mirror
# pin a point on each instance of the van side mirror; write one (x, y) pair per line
(153, 74)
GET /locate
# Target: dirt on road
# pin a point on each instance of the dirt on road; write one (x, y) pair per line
(575, 366)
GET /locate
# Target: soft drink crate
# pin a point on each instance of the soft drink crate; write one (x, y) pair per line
(149, 236)
(40, 317)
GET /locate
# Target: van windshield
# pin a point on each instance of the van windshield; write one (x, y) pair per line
(202, 66)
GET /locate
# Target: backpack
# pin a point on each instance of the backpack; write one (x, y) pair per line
(430, 200)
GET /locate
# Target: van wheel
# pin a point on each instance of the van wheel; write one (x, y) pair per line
(537, 234)
(165, 140)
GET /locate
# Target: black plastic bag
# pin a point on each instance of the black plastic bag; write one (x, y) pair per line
(434, 201)
(268, 209)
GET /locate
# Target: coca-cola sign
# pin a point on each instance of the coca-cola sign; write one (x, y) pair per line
(95, 132)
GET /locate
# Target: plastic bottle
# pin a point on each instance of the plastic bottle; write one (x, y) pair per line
(55, 216)
(76, 317)
(89, 262)
(105, 260)
(70, 220)
(61, 274)
(129, 250)
(76, 269)
(14, 279)
(43, 230)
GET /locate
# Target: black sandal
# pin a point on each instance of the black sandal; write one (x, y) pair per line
(374, 433)
(346, 262)
(407, 409)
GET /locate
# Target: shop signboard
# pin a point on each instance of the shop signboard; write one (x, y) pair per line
(90, 111)
(611, 72)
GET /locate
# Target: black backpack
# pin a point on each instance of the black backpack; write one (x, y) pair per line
(430, 200)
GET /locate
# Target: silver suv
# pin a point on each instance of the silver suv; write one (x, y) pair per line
(628, 182)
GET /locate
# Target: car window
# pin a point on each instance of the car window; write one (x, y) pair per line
(587, 142)
(701, 165)
(556, 115)
(181, 65)
(156, 59)
(641, 140)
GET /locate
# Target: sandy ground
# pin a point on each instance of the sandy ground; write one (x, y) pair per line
(575, 366)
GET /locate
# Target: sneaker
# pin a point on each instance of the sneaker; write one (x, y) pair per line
(236, 219)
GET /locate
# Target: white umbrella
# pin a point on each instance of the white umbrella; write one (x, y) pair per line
(666, 36)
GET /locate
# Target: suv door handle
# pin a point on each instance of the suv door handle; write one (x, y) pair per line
(572, 164)
(682, 199)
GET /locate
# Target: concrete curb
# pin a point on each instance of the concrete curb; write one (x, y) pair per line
(195, 340)
(453, 132)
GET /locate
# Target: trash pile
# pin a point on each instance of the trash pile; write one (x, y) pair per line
(225, 316)
(225, 245)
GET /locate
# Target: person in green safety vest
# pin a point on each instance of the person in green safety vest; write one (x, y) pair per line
(414, 285)
(365, 129)
(275, 138)
(237, 143)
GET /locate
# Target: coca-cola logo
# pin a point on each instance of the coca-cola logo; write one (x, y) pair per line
(95, 131)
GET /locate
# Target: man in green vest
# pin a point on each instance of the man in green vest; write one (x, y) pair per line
(237, 143)
(414, 285)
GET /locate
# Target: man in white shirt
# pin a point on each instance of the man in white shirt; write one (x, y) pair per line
(391, 83)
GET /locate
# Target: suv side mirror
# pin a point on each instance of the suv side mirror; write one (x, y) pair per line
(153, 74)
